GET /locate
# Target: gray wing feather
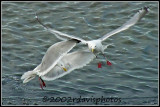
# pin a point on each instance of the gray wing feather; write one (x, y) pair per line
(77, 59)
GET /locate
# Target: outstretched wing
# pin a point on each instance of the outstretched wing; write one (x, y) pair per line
(60, 35)
(71, 61)
(128, 24)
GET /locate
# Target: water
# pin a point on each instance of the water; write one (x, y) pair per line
(131, 80)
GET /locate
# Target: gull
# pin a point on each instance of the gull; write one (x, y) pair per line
(95, 46)
(53, 55)
(65, 65)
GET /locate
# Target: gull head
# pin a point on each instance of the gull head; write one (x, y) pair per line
(61, 65)
(92, 46)
(95, 46)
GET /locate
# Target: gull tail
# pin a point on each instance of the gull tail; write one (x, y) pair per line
(27, 76)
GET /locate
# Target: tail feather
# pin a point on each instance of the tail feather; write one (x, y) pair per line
(27, 76)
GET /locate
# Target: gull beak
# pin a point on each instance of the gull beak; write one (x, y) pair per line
(64, 69)
(92, 50)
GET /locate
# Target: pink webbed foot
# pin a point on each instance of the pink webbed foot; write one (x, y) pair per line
(99, 65)
(109, 63)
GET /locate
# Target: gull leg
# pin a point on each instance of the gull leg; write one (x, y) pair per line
(108, 62)
(42, 83)
(104, 56)
(99, 63)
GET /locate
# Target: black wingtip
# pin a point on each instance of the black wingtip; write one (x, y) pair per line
(78, 41)
(146, 8)
(36, 16)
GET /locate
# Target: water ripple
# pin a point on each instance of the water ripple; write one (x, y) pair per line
(133, 53)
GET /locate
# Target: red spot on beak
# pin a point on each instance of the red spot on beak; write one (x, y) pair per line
(109, 63)
(99, 65)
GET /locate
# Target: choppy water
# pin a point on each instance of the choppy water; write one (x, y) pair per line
(133, 76)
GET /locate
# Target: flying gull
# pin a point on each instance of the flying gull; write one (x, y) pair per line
(96, 46)
(65, 65)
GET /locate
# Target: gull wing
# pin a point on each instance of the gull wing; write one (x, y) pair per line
(54, 54)
(138, 16)
(60, 35)
(71, 61)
